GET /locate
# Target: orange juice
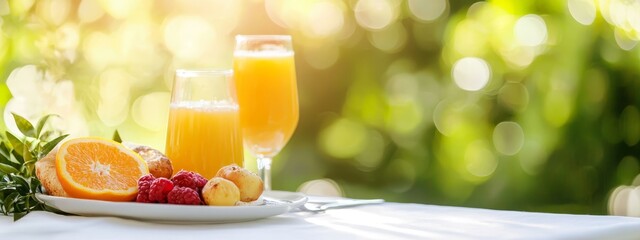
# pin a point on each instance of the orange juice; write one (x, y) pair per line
(204, 136)
(268, 99)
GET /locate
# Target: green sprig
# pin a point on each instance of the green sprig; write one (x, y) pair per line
(18, 156)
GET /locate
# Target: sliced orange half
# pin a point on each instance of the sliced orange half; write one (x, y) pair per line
(95, 168)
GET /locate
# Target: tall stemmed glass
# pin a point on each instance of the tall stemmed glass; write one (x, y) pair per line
(267, 95)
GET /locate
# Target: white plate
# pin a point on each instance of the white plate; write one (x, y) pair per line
(275, 203)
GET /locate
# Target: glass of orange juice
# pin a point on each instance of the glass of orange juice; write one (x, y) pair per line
(204, 127)
(265, 80)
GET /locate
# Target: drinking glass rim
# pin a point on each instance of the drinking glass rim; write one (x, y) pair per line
(263, 37)
(203, 72)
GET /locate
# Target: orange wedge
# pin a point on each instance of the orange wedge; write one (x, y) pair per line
(95, 168)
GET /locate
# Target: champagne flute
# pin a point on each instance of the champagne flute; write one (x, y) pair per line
(267, 95)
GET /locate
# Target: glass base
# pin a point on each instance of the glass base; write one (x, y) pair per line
(264, 170)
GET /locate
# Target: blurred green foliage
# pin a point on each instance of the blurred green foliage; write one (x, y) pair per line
(526, 105)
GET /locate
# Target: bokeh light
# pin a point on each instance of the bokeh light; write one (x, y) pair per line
(508, 138)
(344, 138)
(113, 106)
(99, 50)
(514, 95)
(4, 9)
(618, 201)
(89, 11)
(470, 38)
(471, 73)
(427, 10)
(630, 125)
(324, 19)
(623, 15)
(149, 110)
(189, 37)
(390, 39)
(376, 14)
(283, 12)
(583, 11)
(623, 40)
(480, 160)
(633, 202)
(322, 57)
(372, 155)
(530, 30)
(401, 174)
(557, 108)
(119, 9)
(54, 11)
(321, 187)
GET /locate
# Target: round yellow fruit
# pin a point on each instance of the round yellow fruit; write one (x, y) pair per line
(220, 192)
(249, 184)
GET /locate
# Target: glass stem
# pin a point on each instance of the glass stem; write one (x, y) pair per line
(264, 169)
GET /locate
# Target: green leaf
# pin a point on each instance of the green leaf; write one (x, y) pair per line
(17, 145)
(27, 204)
(18, 215)
(24, 125)
(116, 137)
(50, 145)
(26, 155)
(4, 151)
(45, 135)
(33, 203)
(6, 169)
(21, 180)
(5, 158)
(16, 157)
(8, 191)
(41, 124)
(10, 200)
(53, 209)
(34, 185)
(5, 179)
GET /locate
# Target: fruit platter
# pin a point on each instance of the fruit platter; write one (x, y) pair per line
(99, 177)
(92, 176)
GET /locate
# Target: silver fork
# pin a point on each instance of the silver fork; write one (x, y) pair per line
(321, 207)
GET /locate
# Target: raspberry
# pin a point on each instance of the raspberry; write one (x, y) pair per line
(159, 190)
(184, 195)
(144, 185)
(146, 178)
(143, 198)
(185, 179)
(200, 181)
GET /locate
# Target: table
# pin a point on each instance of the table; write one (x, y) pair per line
(383, 221)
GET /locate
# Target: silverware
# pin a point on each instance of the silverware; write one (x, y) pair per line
(316, 208)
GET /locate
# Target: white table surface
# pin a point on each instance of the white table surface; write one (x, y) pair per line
(383, 221)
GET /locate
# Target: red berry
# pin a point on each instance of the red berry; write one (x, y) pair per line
(200, 181)
(146, 178)
(143, 198)
(184, 195)
(159, 190)
(185, 179)
(144, 185)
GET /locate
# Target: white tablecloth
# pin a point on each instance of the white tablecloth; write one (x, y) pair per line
(384, 221)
